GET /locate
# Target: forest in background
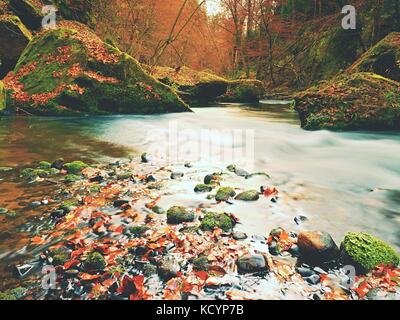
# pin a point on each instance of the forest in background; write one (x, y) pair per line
(289, 42)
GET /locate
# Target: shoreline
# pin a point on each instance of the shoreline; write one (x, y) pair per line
(109, 214)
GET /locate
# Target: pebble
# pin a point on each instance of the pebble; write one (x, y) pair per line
(300, 219)
(305, 272)
(314, 279)
(239, 235)
(176, 175)
(151, 178)
(58, 214)
(251, 263)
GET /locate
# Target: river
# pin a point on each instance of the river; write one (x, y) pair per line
(340, 181)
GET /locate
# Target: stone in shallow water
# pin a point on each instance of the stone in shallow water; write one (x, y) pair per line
(251, 263)
(225, 193)
(239, 235)
(177, 215)
(317, 247)
(169, 268)
(251, 195)
(176, 175)
(202, 188)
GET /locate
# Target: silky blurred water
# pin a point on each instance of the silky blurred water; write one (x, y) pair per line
(340, 181)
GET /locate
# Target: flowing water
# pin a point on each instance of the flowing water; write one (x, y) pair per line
(340, 181)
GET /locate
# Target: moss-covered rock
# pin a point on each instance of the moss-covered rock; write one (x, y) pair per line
(177, 215)
(95, 262)
(382, 59)
(75, 167)
(30, 12)
(201, 264)
(14, 37)
(44, 165)
(33, 173)
(365, 251)
(138, 230)
(225, 193)
(60, 256)
(351, 102)
(251, 195)
(70, 71)
(72, 178)
(203, 86)
(214, 220)
(7, 296)
(2, 97)
(203, 188)
(243, 91)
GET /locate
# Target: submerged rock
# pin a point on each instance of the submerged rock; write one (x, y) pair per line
(252, 195)
(225, 193)
(95, 262)
(203, 188)
(317, 247)
(177, 215)
(214, 220)
(251, 263)
(239, 235)
(69, 71)
(169, 268)
(365, 251)
(75, 167)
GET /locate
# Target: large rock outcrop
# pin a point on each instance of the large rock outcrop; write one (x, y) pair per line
(358, 101)
(382, 59)
(202, 86)
(14, 37)
(71, 71)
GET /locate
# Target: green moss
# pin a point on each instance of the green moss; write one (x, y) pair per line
(201, 264)
(44, 165)
(99, 86)
(7, 296)
(95, 262)
(203, 188)
(355, 101)
(244, 91)
(75, 167)
(95, 188)
(138, 230)
(214, 220)
(177, 215)
(60, 256)
(367, 251)
(32, 174)
(72, 178)
(382, 59)
(225, 193)
(251, 195)
(68, 206)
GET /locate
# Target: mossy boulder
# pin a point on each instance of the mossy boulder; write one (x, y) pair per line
(214, 220)
(251, 195)
(95, 262)
(382, 59)
(225, 193)
(44, 165)
(60, 256)
(72, 178)
(365, 251)
(203, 188)
(7, 296)
(70, 71)
(177, 215)
(243, 91)
(14, 37)
(194, 86)
(358, 101)
(33, 173)
(75, 167)
(203, 86)
(2, 97)
(30, 12)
